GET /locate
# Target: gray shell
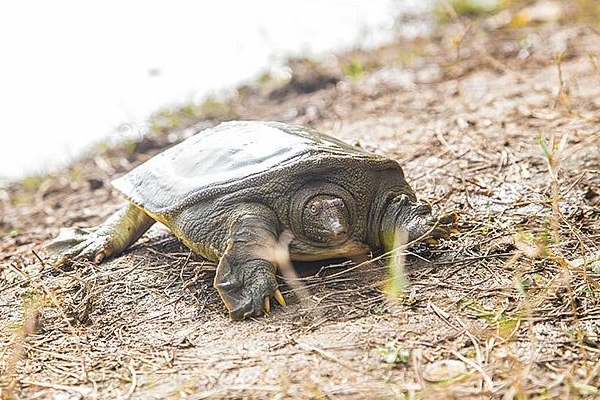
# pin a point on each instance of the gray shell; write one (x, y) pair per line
(227, 158)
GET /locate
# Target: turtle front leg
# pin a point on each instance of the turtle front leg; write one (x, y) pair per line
(110, 238)
(415, 221)
(245, 277)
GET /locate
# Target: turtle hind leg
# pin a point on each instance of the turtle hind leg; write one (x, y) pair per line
(110, 238)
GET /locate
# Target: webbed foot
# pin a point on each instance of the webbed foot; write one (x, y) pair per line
(74, 244)
(247, 289)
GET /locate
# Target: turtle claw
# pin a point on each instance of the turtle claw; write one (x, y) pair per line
(279, 297)
(431, 241)
(99, 257)
(267, 305)
(443, 228)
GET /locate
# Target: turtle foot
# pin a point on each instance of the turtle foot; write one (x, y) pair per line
(422, 226)
(247, 290)
(74, 244)
(250, 305)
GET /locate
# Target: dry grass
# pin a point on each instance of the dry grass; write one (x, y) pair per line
(510, 308)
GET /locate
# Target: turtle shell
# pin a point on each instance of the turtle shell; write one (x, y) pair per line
(224, 158)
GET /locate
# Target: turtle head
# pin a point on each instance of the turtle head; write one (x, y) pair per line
(321, 215)
(406, 221)
(325, 219)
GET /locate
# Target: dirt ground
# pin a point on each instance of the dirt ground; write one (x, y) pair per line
(499, 124)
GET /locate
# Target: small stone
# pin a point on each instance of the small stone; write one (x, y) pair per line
(444, 370)
(462, 123)
(591, 261)
(95, 184)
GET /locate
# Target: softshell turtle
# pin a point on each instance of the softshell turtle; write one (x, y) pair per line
(229, 192)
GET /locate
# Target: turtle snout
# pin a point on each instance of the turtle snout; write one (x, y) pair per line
(337, 228)
(335, 217)
(335, 231)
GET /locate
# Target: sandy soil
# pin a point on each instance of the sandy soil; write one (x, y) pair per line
(500, 130)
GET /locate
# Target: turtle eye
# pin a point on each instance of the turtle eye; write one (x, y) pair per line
(313, 209)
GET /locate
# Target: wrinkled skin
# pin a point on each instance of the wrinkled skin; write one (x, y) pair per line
(343, 207)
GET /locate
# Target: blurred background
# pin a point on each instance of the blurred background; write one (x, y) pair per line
(76, 73)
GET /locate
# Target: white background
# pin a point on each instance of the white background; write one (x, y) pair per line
(73, 72)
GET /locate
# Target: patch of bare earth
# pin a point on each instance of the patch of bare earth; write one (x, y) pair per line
(500, 131)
